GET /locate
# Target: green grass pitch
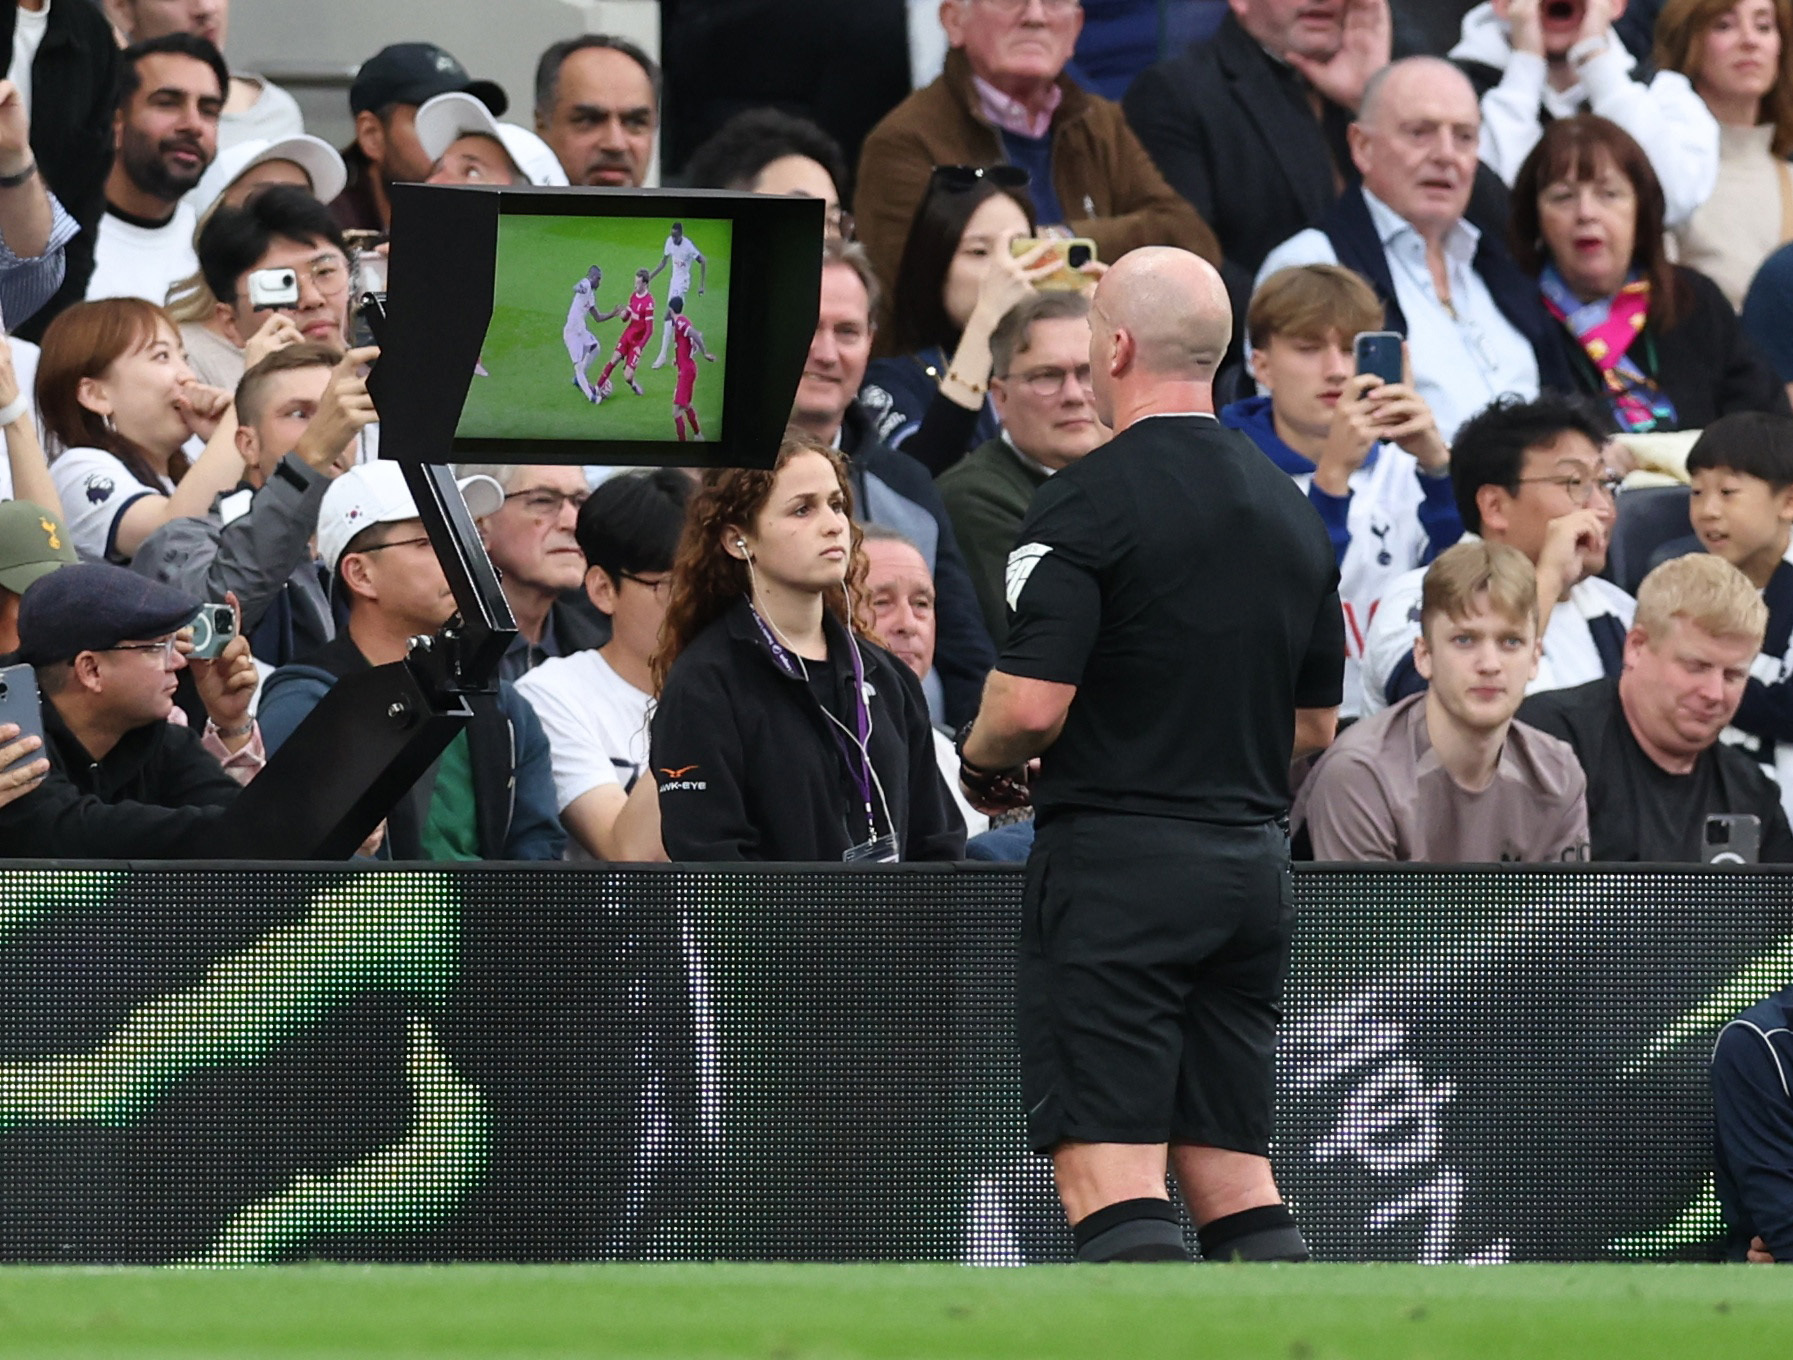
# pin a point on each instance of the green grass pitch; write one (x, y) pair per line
(529, 391)
(719, 1312)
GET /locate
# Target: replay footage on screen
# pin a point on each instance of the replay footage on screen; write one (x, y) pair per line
(607, 328)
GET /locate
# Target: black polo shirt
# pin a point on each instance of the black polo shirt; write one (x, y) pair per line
(1188, 589)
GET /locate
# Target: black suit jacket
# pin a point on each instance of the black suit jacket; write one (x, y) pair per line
(1232, 130)
(72, 82)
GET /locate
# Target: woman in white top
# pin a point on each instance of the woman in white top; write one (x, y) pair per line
(1738, 54)
(126, 417)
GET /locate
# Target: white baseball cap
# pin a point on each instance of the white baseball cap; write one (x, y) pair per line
(376, 493)
(317, 158)
(447, 118)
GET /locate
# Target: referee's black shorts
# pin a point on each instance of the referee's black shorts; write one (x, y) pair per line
(1150, 980)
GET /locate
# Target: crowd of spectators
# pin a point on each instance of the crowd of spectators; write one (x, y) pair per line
(1584, 240)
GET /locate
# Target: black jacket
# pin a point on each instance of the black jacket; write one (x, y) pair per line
(158, 794)
(1231, 128)
(964, 653)
(73, 79)
(1705, 363)
(749, 769)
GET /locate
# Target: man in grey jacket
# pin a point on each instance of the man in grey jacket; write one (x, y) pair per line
(299, 412)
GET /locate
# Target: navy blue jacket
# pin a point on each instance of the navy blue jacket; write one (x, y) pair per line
(1752, 1100)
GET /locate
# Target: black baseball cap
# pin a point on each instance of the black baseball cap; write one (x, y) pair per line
(410, 73)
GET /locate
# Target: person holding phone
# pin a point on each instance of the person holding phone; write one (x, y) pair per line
(782, 731)
(959, 276)
(1362, 444)
(1648, 740)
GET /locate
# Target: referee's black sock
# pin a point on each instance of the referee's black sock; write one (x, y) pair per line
(1133, 1230)
(1267, 1233)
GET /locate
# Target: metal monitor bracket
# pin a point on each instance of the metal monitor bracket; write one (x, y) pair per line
(377, 732)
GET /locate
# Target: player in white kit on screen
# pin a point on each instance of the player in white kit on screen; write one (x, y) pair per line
(681, 254)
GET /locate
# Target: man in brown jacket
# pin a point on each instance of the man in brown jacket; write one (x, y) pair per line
(1003, 97)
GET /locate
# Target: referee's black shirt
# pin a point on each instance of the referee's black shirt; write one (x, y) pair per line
(1188, 589)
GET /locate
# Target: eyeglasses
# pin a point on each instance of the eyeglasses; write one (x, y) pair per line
(1049, 382)
(1055, 9)
(657, 586)
(959, 178)
(166, 647)
(841, 223)
(396, 543)
(1580, 488)
(541, 503)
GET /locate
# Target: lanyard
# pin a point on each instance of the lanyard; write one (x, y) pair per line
(859, 762)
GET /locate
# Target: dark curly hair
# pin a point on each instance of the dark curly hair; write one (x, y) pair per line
(706, 579)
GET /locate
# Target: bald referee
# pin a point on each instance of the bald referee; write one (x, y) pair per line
(1175, 639)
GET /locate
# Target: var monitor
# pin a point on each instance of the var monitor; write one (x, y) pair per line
(594, 326)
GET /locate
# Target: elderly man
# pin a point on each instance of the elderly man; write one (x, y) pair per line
(1004, 97)
(1476, 326)
(1249, 126)
(1533, 62)
(1176, 641)
(597, 104)
(533, 541)
(165, 131)
(1648, 741)
(1040, 365)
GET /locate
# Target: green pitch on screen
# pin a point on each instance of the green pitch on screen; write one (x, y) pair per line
(529, 392)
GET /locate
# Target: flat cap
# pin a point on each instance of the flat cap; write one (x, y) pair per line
(94, 606)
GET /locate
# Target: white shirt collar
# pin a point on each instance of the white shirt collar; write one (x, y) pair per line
(1029, 462)
(1459, 245)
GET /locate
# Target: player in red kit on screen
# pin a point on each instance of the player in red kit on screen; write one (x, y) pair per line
(685, 338)
(639, 310)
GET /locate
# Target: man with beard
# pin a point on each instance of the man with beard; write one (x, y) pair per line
(165, 131)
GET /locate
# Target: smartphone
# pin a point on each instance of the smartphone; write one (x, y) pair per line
(1379, 353)
(1071, 255)
(19, 704)
(1731, 838)
(270, 289)
(213, 628)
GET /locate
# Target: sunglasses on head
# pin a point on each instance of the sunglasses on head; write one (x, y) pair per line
(959, 178)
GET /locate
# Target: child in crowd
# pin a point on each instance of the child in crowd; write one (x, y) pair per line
(1367, 453)
(1742, 511)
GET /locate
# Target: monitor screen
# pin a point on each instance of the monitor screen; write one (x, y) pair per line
(610, 328)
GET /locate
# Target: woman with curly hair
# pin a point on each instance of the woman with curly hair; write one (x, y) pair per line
(782, 731)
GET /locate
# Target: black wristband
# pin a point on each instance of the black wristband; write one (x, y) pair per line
(14, 181)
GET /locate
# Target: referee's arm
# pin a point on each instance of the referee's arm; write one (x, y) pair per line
(1018, 720)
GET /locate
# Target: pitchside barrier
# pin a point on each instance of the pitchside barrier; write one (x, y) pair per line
(236, 1064)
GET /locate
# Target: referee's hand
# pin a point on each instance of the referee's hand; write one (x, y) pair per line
(996, 792)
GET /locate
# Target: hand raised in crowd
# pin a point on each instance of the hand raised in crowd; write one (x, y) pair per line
(1008, 281)
(202, 407)
(1367, 46)
(15, 130)
(1569, 540)
(1525, 24)
(9, 377)
(345, 410)
(227, 685)
(1354, 431)
(19, 776)
(276, 333)
(1596, 19)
